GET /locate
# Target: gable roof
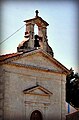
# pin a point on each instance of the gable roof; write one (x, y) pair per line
(37, 18)
(29, 90)
(73, 116)
(9, 57)
(12, 55)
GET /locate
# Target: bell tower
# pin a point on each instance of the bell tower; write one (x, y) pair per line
(35, 41)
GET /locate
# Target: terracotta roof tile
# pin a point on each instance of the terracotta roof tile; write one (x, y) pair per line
(73, 116)
(4, 57)
(7, 56)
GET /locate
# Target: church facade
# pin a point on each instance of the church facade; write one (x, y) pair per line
(32, 81)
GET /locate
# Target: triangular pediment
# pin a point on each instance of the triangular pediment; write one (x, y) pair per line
(38, 59)
(37, 90)
(37, 20)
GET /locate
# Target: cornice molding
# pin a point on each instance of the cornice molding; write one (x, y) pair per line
(45, 54)
(33, 67)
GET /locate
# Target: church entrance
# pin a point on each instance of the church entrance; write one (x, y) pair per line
(36, 115)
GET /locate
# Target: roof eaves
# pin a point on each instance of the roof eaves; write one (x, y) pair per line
(37, 18)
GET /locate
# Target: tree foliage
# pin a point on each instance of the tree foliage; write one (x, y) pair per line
(72, 88)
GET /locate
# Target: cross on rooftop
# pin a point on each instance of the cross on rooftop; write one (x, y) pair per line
(36, 13)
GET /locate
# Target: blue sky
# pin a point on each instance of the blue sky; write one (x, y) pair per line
(62, 30)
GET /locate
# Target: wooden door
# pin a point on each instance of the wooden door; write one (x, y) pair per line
(36, 115)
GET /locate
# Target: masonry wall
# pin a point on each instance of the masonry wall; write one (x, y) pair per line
(1, 92)
(18, 79)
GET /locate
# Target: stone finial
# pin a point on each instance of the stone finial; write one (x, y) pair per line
(36, 13)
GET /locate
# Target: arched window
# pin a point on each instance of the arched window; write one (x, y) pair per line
(36, 115)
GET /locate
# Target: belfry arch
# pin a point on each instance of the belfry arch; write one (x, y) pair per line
(35, 35)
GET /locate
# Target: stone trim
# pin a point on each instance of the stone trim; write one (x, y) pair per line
(66, 71)
(31, 89)
(30, 102)
(35, 67)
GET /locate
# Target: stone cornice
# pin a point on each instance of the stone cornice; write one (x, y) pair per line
(45, 54)
(33, 67)
(37, 102)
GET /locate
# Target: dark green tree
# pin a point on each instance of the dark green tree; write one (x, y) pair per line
(72, 88)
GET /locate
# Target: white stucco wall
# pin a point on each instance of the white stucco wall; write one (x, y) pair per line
(18, 79)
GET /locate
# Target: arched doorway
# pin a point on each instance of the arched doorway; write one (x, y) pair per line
(36, 115)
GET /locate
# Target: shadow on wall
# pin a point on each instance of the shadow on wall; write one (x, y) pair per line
(22, 118)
